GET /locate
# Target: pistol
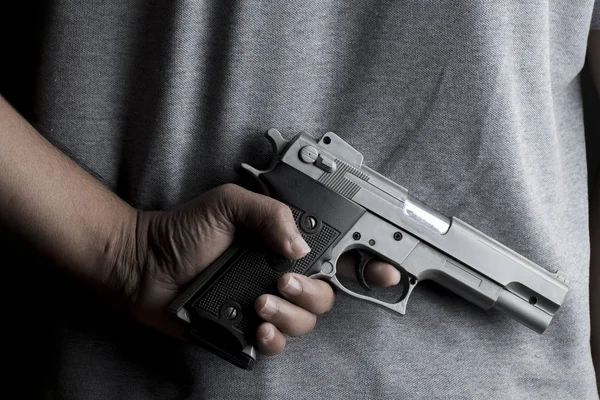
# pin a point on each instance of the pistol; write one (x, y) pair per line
(339, 204)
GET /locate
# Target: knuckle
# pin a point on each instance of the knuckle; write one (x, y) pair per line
(229, 190)
(227, 200)
(281, 211)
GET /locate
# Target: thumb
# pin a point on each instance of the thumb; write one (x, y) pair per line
(270, 217)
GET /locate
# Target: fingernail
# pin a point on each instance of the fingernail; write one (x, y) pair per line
(298, 245)
(269, 308)
(270, 334)
(293, 287)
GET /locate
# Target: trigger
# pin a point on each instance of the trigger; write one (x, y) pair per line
(365, 257)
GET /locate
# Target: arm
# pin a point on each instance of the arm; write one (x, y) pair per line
(594, 62)
(55, 205)
(136, 259)
(140, 258)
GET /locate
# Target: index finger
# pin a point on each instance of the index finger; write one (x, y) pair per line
(377, 272)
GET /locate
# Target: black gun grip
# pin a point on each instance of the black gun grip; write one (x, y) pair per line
(220, 301)
(221, 309)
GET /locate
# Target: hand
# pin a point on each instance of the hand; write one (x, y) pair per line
(85, 229)
(170, 248)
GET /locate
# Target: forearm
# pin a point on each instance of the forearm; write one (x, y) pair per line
(57, 206)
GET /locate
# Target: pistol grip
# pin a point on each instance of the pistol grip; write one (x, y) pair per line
(219, 304)
(221, 299)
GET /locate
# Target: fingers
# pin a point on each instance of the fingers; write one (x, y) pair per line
(376, 272)
(269, 341)
(303, 298)
(313, 295)
(271, 217)
(287, 317)
(381, 274)
(294, 316)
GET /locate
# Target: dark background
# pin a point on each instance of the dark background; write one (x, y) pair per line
(592, 125)
(30, 297)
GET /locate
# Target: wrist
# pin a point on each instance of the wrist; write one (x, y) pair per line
(121, 256)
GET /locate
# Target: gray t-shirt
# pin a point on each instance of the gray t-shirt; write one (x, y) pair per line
(474, 106)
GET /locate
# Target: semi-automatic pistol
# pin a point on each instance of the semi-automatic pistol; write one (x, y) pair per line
(339, 204)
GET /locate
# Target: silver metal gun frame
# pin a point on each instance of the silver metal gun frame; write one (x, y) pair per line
(419, 241)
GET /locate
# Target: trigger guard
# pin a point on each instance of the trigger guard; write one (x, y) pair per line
(365, 257)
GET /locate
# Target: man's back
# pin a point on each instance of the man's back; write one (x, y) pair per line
(475, 108)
